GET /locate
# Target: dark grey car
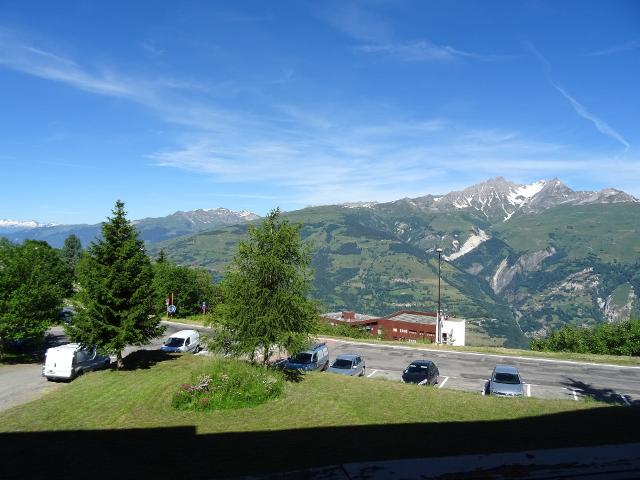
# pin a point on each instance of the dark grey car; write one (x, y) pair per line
(348, 364)
(505, 381)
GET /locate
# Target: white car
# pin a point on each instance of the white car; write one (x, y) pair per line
(182, 341)
(67, 362)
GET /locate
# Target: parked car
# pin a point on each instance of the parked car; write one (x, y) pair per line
(422, 372)
(66, 314)
(314, 358)
(505, 381)
(348, 364)
(67, 362)
(182, 341)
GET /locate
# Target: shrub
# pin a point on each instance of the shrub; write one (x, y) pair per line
(608, 339)
(342, 330)
(227, 384)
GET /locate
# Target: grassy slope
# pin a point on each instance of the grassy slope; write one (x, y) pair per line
(323, 419)
(609, 231)
(98, 401)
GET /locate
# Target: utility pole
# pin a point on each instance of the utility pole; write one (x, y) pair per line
(438, 327)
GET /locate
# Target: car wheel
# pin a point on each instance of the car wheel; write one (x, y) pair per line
(326, 365)
(362, 373)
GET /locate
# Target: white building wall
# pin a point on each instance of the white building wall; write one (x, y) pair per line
(455, 330)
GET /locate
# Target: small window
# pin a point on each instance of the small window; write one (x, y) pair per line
(315, 357)
(395, 329)
(188, 341)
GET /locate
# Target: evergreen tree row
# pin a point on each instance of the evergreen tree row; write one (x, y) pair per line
(120, 295)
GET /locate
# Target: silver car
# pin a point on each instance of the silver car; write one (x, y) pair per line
(506, 381)
(348, 364)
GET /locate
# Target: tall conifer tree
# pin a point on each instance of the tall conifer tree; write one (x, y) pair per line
(116, 298)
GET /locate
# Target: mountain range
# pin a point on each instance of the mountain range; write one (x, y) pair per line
(517, 259)
(150, 229)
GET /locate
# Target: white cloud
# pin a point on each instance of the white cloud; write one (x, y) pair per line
(580, 109)
(600, 124)
(358, 23)
(424, 51)
(625, 47)
(331, 154)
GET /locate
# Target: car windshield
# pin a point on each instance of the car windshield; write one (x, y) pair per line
(174, 342)
(302, 358)
(510, 378)
(341, 363)
(418, 368)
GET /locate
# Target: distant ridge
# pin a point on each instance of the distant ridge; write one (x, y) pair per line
(150, 229)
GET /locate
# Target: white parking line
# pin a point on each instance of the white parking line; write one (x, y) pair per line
(445, 381)
(373, 373)
(528, 389)
(625, 399)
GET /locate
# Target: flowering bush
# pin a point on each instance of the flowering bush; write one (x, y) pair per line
(226, 383)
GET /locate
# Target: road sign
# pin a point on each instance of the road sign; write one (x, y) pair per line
(171, 309)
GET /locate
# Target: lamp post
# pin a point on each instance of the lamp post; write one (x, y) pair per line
(438, 328)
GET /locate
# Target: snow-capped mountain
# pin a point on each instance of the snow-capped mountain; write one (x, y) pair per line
(498, 199)
(17, 225)
(150, 229)
(217, 216)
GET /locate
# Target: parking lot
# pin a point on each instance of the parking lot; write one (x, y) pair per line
(548, 379)
(465, 371)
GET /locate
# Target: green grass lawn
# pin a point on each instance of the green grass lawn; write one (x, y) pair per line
(322, 419)
(142, 398)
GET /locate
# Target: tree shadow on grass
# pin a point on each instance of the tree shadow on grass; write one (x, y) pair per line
(145, 359)
(183, 452)
(606, 395)
(32, 351)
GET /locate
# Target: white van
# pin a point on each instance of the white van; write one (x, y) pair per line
(67, 362)
(182, 341)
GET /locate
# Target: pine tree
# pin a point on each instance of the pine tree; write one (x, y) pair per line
(115, 303)
(162, 257)
(71, 251)
(265, 291)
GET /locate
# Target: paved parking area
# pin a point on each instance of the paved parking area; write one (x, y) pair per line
(552, 392)
(543, 379)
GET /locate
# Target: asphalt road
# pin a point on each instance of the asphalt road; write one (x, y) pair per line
(550, 379)
(23, 383)
(458, 370)
(468, 371)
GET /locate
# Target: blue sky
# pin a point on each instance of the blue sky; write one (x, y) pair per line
(251, 105)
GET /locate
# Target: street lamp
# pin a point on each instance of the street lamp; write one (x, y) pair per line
(438, 328)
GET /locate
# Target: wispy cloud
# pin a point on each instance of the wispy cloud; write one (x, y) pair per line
(580, 109)
(358, 23)
(378, 37)
(40, 63)
(311, 153)
(424, 51)
(600, 124)
(624, 47)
